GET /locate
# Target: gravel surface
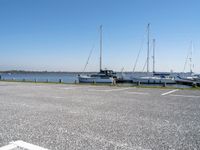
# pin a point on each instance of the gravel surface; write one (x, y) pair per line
(62, 117)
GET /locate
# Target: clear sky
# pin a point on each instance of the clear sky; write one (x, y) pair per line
(57, 35)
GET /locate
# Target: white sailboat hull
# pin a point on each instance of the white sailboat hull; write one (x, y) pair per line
(88, 79)
(153, 80)
(188, 80)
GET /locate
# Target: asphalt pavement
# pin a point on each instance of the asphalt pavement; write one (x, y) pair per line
(86, 117)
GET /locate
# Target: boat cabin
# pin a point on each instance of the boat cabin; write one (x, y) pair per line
(109, 73)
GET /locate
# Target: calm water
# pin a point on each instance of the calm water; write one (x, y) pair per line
(56, 76)
(41, 77)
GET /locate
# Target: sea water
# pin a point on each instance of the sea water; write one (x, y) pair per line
(65, 77)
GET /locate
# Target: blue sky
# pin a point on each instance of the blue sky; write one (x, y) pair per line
(57, 35)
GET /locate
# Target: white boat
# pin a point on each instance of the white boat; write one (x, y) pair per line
(104, 76)
(153, 78)
(189, 78)
(100, 77)
(192, 77)
(196, 77)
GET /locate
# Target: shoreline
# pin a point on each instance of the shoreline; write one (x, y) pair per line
(104, 84)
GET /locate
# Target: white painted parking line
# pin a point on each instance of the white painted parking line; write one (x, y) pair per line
(188, 96)
(21, 145)
(39, 86)
(108, 90)
(8, 147)
(169, 92)
(76, 87)
(138, 93)
(80, 86)
(58, 97)
(70, 88)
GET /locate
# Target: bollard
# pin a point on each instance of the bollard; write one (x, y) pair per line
(47, 81)
(114, 82)
(194, 84)
(94, 82)
(164, 84)
(60, 81)
(0, 77)
(138, 83)
(75, 82)
(35, 80)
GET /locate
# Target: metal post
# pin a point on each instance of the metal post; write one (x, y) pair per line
(164, 84)
(60, 80)
(194, 84)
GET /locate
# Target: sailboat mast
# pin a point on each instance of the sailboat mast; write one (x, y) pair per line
(148, 28)
(191, 52)
(100, 47)
(154, 45)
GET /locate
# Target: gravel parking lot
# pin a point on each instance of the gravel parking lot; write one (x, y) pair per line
(61, 117)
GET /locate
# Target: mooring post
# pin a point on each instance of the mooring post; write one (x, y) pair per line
(194, 84)
(114, 82)
(164, 84)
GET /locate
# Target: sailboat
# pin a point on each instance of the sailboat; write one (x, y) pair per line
(103, 76)
(189, 78)
(153, 78)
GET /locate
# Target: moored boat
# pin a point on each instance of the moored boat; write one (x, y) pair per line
(189, 78)
(103, 76)
(153, 78)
